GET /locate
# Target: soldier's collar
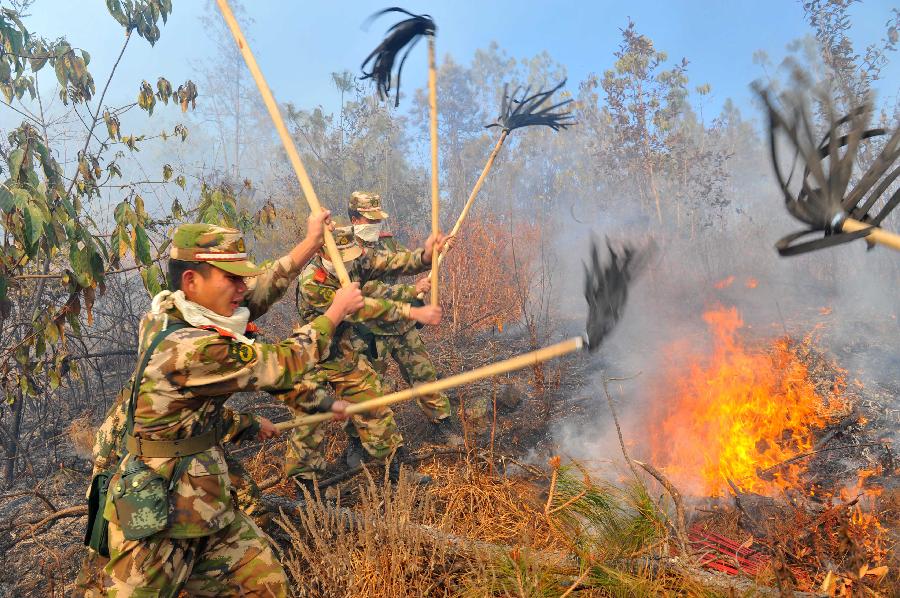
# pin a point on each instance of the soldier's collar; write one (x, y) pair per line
(198, 316)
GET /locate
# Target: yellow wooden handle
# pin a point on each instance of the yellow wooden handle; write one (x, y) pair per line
(501, 367)
(435, 173)
(286, 141)
(472, 195)
(478, 184)
(876, 235)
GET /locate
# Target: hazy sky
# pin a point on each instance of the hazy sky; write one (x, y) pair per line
(299, 43)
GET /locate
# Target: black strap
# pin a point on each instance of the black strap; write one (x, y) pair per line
(139, 373)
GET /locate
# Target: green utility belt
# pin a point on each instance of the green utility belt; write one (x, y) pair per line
(171, 448)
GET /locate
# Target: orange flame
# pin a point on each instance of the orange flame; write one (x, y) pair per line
(736, 413)
(724, 283)
(751, 283)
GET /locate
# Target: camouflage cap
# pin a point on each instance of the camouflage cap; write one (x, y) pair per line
(368, 204)
(216, 245)
(346, 243)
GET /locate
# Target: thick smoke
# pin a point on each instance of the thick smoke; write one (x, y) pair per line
(844, 296)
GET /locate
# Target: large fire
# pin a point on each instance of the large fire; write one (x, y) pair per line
(736, 413)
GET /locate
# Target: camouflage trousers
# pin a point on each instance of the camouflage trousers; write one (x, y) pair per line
(376, 429)
(246, 494)
(415, 366)
(235, 561)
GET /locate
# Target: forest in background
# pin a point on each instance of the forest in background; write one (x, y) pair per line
(92, 190)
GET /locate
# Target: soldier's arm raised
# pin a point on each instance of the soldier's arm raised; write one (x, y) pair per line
(267, 288)
(403, 262)
(215, 365)
(320, 295)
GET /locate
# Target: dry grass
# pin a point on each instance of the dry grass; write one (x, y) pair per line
(471, 533)
(266, 463)
(489, 508)
(381, 548)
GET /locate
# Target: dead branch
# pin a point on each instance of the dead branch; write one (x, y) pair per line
(615, 417)
(68, 512)
(270, 481)
(680, 520)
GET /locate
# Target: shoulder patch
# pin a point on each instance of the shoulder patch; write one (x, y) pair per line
(321, 275)
(241, 352)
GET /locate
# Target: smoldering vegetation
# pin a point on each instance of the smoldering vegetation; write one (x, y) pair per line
(534, 495)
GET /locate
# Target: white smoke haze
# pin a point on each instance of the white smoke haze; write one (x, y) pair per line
(844, 296)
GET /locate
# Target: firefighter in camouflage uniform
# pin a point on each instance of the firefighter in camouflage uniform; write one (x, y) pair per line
(400, 341)
(348, 371)
(173, 523)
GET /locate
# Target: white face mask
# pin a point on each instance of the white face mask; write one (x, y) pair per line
(329, 266)
(368, 232)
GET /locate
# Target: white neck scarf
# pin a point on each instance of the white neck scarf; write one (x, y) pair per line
(368, 232)
(199, 316)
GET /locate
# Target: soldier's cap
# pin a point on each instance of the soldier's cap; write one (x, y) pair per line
(215, 245)
(368, 204)
(346, 243)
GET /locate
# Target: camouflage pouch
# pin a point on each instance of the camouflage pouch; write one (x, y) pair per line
(141, 496)
(141, 500)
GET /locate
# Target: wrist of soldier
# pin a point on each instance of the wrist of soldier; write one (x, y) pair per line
(250, 426)
(334, 315)
(303, 252)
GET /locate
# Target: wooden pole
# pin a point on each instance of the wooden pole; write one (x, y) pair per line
(876, 234)
(472, 195)
(435, 195)
(501, 367)
(478, 185)
(288, 143)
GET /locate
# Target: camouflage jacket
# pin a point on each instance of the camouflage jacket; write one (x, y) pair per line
(386, 242)
(384, 305)
(109, 440)
(185, 385)
(388, 287)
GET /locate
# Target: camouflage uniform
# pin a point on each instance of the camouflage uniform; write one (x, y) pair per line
(348, 371)
(400, 340)
(109, 447)
(207, 547)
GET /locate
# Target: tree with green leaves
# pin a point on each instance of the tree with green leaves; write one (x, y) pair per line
(365, 147)
(59, 247)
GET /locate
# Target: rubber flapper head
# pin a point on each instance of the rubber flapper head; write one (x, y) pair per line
(533, 110)
(405, 34)
(606, 287)
(825, 193)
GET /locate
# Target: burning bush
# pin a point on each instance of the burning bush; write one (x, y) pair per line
(737, 413)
